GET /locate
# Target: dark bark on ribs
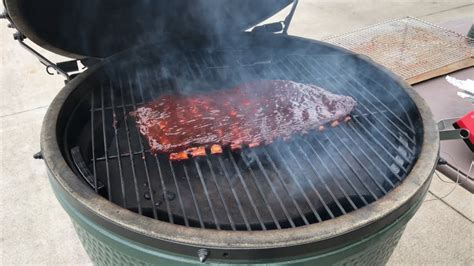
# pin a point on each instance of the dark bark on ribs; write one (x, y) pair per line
(251, 114)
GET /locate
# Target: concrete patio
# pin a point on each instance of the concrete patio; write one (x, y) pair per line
(36, 230)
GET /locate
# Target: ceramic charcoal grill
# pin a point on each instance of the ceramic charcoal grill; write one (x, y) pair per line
(343, 195)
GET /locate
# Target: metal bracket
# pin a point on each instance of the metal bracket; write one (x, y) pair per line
(448, 132)
(289, 18)
(50, 66)
(67, 69)
(281, 26)
(18, 36)
(84, 170)
(38, 155)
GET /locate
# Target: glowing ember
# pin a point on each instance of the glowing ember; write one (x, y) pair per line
(176, 156)
(197, 151)
(216, 149)
(335, 123)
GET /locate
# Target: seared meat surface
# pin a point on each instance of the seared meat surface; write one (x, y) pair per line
(250, 114)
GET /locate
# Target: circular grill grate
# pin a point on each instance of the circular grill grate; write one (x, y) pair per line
(310, 178)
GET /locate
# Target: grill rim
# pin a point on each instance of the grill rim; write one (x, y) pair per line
(133, 225)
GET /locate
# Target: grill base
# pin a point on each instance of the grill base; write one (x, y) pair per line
(107, 248)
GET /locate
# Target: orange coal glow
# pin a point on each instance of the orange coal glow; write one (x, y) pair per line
(216, 149)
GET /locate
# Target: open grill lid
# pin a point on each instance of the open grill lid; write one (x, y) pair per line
(92, 28)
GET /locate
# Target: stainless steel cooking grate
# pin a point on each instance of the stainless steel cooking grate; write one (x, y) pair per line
(308, 179)
(410, 47)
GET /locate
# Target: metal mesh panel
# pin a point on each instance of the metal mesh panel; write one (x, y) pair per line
(408, 46)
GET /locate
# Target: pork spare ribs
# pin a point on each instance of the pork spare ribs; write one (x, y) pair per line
(251, 114)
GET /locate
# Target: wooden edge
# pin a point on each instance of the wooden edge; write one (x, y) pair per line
(465, 63)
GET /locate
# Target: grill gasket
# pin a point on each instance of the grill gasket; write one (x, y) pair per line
(400, 124)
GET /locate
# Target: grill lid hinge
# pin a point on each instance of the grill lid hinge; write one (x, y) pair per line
(50, 66)
(68, 69)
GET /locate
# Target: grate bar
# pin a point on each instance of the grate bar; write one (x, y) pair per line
(295, 179)
(391, 132)
(314, 168)
(165, 190)
(117, 146)
(335, 180)
(285, 73)
(395, 125)
(367, 114)
(125, 154)
(161, 177)
(350, 167)
(244, 184)
(407, 127)
(374, 151)
(363, 87)
(267, 178)
(337, 183)
(362, 164)
(193, 195)
(281, 180)
(316, 191)
(189, 67)
(219, 192)
(234, 193)
(259, 189)
(397, 150)
(100, 109)
(106, 152)
(383, 136)
(368, 158)
(132, 163)
(322, 68)
(338, 167)
(203, 183)
(94, 166)
(199, 70)
(410, 127)
(277, 171)
(180, 199)
(142, 151)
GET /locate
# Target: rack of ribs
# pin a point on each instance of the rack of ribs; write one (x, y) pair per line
(250, 114)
